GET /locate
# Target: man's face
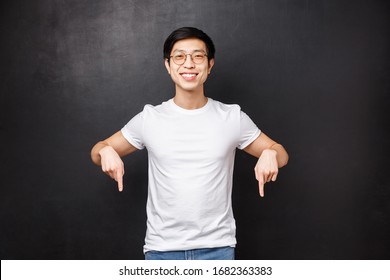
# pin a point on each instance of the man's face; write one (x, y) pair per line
(189, 76)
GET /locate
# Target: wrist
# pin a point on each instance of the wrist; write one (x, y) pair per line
(104, 150)
(270, 151)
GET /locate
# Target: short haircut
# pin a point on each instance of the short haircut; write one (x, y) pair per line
(188, 33)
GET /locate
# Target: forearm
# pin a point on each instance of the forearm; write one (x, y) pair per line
(117, 143)
(271, 156)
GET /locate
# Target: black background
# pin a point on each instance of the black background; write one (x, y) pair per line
(313, 75)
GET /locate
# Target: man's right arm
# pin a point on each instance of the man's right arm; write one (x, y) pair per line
(108, 153)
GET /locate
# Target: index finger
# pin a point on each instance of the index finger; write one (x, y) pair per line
(261, 187)
(119, 178)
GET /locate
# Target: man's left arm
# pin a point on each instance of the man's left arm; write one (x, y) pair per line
(271, 156)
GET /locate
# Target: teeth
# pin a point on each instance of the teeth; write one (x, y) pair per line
(188, 75)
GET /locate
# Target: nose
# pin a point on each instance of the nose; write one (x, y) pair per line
(188, 63)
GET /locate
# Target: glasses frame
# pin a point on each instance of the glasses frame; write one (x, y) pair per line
(186, 54)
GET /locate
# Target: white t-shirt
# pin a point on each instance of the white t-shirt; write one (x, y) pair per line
(191, 158)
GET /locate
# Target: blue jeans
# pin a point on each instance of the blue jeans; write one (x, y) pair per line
(222, 253)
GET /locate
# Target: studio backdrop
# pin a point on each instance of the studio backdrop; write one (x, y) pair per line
(314, 75)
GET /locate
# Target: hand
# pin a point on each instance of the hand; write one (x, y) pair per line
(266, 169)
(112, 165)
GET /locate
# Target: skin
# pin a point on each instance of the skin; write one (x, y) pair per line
(189, 94)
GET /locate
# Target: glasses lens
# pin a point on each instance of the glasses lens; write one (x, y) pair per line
(180, 57)
(198, 57)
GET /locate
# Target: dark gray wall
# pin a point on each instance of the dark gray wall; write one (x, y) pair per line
(314, 75)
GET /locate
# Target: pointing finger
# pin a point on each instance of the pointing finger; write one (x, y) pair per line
(119, 178)
(261, 186)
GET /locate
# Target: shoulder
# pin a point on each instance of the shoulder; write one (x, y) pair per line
(226, 113)
(225, 107)
(155, 109)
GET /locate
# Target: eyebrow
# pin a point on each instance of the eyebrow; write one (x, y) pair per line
(180, 50)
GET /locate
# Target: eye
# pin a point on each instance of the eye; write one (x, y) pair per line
(198, 54)
(179, 56)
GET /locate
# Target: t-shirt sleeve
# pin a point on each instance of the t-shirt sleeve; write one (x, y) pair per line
(133, 131)
(248, 131)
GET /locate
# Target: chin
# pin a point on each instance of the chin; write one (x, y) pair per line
(189, 87)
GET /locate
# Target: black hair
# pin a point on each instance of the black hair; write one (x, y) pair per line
(188, 33)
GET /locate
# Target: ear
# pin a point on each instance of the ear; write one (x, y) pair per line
(167, 66)
(211, 64)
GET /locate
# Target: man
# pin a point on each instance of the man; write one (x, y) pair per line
(191, 142)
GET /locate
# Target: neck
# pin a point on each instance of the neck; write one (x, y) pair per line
(190, 100)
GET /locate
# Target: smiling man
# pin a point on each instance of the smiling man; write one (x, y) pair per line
(191, 142)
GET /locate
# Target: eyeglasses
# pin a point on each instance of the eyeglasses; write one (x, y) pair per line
(180, 57)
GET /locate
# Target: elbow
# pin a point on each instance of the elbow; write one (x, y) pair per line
(283, 159)
(95, 157)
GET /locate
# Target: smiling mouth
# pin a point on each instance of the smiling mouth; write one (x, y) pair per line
(189, 76)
